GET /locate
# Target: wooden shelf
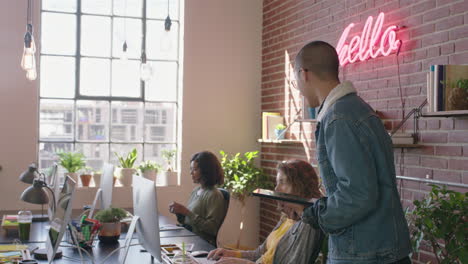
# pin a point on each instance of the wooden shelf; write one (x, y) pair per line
(445, 113)
(280, 141)
(406, 145)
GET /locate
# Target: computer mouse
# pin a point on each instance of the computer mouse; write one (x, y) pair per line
(199, 254)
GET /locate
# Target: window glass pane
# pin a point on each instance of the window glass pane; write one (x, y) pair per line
(161, 45)
(56, 120)
(102, 7)
(95, 77)
(58, 34)
(95, 36)
(153, 153)
(130, 30)
(92, 120)
(95, 154)
(132, 8)
(160, 122)
(123, 150)
(59, 5)
(163, 85)
(158, 9)
(57, 76)
(126, 78)
(129, 122)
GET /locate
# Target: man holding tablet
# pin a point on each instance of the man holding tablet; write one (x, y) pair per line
(362, 212)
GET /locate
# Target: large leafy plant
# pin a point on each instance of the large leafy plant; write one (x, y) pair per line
(128, 161)
(111, 215)
(71, 161)
(241, 175)
(441, 219)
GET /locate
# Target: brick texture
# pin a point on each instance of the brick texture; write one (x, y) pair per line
(434, 32)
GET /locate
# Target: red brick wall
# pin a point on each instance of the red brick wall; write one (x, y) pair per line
(436, 32)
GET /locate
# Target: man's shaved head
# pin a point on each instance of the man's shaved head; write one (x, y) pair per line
(319, 58)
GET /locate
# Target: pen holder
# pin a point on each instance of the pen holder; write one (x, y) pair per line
(83, 231)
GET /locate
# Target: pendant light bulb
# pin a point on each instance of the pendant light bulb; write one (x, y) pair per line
(146, 70)
(31, 74)
(124, 56)
(166, 42)
(28, 60)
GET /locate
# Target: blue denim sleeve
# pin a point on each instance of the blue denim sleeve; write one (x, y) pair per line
(356, 192)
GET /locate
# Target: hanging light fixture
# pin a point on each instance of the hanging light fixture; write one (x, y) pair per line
(166, 42)
(146, 70)
(28, 60)
(124, 56)
(168, 22)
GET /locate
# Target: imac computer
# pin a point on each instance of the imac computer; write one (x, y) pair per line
(104, 193)
(145, 220)
(62, 217)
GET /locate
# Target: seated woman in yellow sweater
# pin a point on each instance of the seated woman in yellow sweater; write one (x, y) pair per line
(206, 207)
(292, 240)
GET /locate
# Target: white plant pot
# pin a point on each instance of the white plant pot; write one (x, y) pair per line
(126, 176)
(150, 175)
(97, 179)
(72, 175)
(167, 178)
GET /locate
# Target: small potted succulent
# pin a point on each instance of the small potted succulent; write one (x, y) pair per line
(126, 165)
(149, 169)
(279, 131)
(72, 162)
(111, 227)
(85, 176)
(168, 177)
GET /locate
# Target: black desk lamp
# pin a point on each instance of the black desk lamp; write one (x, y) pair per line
(36, 194)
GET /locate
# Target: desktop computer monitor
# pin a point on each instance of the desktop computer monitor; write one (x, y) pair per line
(104, 193)
(145, 208)
(62, 217)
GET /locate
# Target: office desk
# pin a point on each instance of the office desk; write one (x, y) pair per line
(100, 251)
(38, 232)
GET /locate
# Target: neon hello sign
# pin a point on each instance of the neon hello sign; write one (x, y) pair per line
(370, 44)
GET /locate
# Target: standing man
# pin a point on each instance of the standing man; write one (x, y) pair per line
(362, 212)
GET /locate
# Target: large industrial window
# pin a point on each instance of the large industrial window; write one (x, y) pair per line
(92, 97)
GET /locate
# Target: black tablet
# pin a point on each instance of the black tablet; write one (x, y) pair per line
(281, 197)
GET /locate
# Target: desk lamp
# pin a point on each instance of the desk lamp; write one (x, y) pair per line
(36, 193)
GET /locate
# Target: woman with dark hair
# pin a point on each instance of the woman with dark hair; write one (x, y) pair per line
(206, 207)
(292, 241)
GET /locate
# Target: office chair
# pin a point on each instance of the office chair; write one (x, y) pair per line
(227, 198)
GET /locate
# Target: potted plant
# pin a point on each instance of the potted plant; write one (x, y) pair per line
(126, 165)
(168, 177)
(149, 169)
(72, 162)
(441, 221)
(241, 177)
(85, 176)
(279, 131)
(111, 227)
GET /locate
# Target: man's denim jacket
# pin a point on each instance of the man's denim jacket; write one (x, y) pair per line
(361, 212)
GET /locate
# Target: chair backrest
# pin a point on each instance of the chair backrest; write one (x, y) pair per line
(227, 198)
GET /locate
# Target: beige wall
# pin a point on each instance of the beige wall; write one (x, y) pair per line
(220, 105)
